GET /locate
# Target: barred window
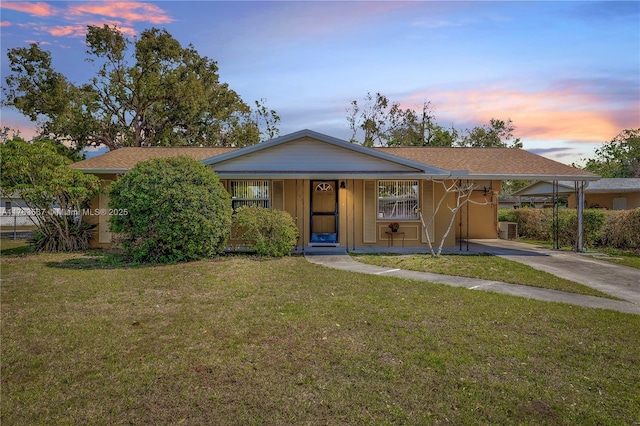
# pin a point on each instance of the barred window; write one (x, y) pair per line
(250, 193)
(397, 199)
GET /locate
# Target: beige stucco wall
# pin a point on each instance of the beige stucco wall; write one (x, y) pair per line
(480, 215)
(101, 237)
(297, 202)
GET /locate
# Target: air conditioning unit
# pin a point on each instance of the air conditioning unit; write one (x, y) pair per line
(508, 231)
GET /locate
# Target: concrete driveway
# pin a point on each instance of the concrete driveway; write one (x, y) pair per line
(616, 280)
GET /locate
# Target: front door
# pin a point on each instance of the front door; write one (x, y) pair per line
(324, 211)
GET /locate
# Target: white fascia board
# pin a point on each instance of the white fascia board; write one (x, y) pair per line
(572, 178)
(320, 175)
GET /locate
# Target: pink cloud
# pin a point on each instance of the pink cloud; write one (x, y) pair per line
(44, 43)
(67, 30)
(5, 24)
(126, 30)
(36, 9)
(569, 115)
(76, 30)
(128, 11)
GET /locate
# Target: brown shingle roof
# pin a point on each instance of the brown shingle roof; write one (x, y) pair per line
(126, 158)
(490, 162)
(487, 161)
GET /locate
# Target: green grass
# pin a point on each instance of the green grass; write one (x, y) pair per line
(481, 266)
(86, 340)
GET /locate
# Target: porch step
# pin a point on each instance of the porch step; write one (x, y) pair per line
(334, 249)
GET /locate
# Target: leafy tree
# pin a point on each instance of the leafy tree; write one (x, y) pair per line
(619, 158)
(150, 91)
(176, 210)
(497, 133)
(386, 123)
(55, 193)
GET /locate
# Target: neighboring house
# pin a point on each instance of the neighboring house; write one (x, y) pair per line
(607, 193)
(14, 210)
(611, 193)
(341, 193)
(517, 202)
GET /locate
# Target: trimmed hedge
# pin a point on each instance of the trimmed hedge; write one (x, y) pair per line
(272, 232)
(603, 228)
(621, 229)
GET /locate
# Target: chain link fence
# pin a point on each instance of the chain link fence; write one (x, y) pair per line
(15, 223)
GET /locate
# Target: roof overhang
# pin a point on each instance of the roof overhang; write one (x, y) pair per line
(321, 175)
(403, 165)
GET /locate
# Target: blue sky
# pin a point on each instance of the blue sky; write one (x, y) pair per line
(566, 73)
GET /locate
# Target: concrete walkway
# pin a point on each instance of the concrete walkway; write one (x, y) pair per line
(620, 281)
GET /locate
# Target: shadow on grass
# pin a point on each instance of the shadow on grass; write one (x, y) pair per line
(99, 259)
(14, 247)
(109, 259)
(16, 251)
(489, 249)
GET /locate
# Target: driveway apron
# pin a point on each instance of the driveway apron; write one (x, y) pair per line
(617, 280)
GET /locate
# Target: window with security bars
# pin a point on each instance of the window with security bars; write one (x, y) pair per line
(250, 193)
(398, 199)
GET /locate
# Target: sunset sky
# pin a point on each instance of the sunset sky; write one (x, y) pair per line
(566, 73)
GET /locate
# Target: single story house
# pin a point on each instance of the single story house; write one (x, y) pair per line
(607, 193)
(340, 193)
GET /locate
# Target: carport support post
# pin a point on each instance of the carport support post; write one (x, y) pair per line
(556, 220)
(580, 213)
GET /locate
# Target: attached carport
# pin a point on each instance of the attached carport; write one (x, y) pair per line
(556, 189)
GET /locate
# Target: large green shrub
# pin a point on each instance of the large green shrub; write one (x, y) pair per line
(271, 232)
(592, 222)
(176, 210)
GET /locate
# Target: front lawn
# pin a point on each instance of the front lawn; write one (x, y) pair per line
(86, 340)
(481, 266)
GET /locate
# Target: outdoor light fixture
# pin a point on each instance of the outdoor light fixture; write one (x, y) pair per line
(342, 185)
